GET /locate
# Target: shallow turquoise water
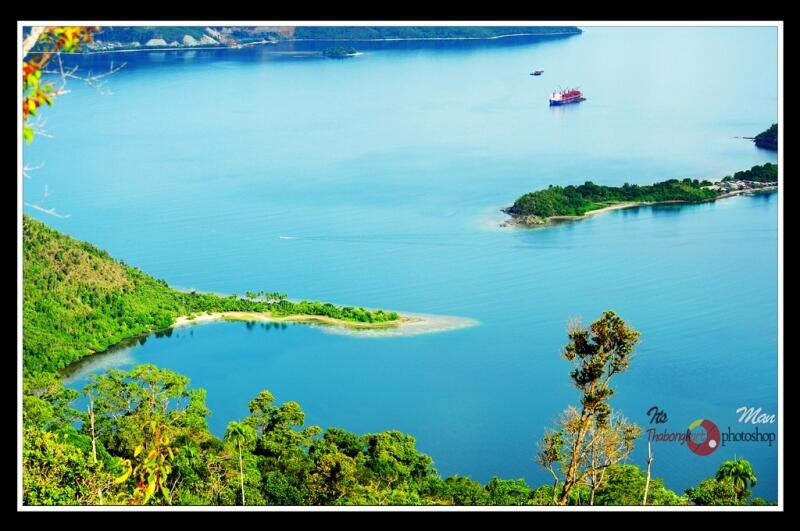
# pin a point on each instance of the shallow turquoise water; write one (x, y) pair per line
(387, 171)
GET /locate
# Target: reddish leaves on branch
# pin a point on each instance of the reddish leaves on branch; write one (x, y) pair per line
(52, 40)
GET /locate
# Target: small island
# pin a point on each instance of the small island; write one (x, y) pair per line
(568, 203)
(768, 139)
(339, 52)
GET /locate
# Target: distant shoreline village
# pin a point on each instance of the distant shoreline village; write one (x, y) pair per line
(168, 38)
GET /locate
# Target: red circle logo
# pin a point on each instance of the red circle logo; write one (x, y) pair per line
(702, 437)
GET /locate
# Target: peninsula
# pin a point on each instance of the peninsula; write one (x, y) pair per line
(78, 301)
(557, 203)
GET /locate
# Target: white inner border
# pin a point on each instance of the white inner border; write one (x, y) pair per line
(579, 23)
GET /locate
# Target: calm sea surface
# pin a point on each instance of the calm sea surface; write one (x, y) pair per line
(377, 181)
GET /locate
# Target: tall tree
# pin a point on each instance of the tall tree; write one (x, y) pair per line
(242, 434)
(597, 353)
(647, 481)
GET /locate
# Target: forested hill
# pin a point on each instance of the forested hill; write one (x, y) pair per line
(768, 139)
(78, 300)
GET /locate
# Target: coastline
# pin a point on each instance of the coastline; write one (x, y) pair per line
(391, 39)
(532, 221)
(406, 325)
(184, 320)
(251, 44)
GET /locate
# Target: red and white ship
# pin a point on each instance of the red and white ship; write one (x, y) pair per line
(562, 97)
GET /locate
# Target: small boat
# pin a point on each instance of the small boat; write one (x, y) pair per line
(537, 72)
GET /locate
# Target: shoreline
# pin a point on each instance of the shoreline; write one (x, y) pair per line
(406, 325)
(532, 221)
(184, 320)
(251, 44)
(391, 39)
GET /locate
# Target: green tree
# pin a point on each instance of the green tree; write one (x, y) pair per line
(714, 492)
(624, 485)
(126, 401)
(55, 472)
(597, 353)
(507, 491)
(462, 490)
(740, 472)
(333, 478)
(46, 403)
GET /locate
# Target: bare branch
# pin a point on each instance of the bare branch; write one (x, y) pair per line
(31, 39)
(51, 211)
(38, 127)
(27, 169)
(93, 81)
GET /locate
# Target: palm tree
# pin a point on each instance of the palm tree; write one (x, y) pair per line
(740, 472)
(241, 433)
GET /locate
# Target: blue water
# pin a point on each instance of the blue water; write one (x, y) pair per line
(388, 171)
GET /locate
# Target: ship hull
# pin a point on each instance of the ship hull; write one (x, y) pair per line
(567, 101)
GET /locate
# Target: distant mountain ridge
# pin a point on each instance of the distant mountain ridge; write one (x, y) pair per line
(131, 37)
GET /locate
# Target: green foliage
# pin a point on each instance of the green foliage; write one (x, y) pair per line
(578, 200)
(766, 173)
(126, 402)
(142, 34)
(464, 491)
(507, 492)
(284, 308)
(153, 465)
(77, 300)
(55, 472)
(153, 438)
(741, 473)
(47, 403)
(624, 485)
(714, 492)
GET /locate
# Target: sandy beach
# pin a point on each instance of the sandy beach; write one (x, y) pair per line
(405, 325)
